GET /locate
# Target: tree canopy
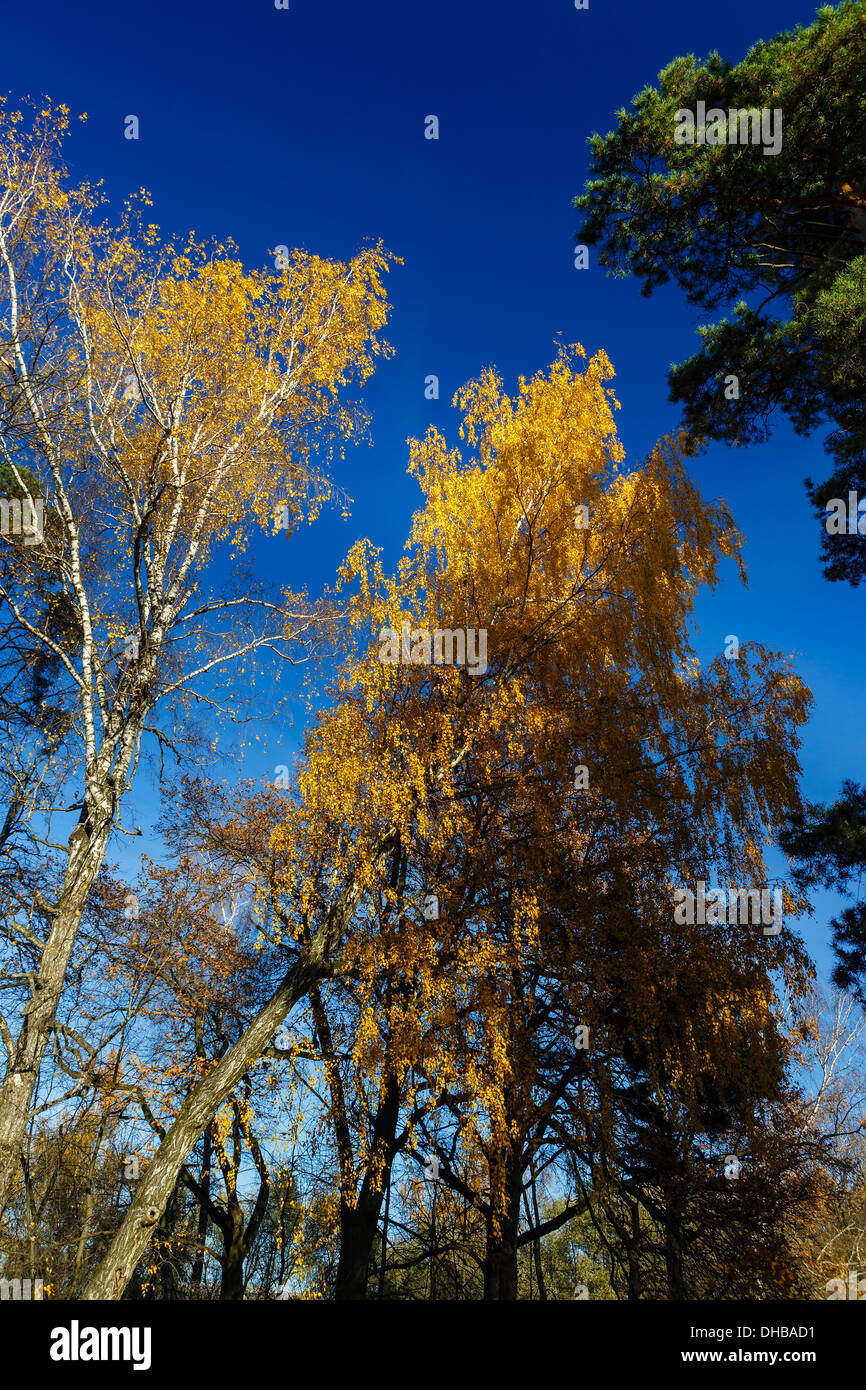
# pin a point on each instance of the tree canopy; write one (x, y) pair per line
(776, 239)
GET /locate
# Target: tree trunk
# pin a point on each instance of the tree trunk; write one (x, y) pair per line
(197, 1111)
(359, 1224)
(87, 1215)
(533, 1220)
(358, 1227)
(203, 1220)
(384, 1259)
(674, 1254)
(500, 1264)
(234, 1253)
(85, 855)
(500, 1259)
(633, 1246)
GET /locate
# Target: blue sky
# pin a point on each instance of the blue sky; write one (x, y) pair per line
(306, 127)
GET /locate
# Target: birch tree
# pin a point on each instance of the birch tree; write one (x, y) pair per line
(168, 401)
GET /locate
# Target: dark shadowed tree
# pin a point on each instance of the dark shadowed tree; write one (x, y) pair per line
(775, 236)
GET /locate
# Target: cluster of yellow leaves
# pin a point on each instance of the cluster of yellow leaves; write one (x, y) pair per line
(470, 777)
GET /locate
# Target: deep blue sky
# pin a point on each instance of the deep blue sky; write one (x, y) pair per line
(306, 127)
